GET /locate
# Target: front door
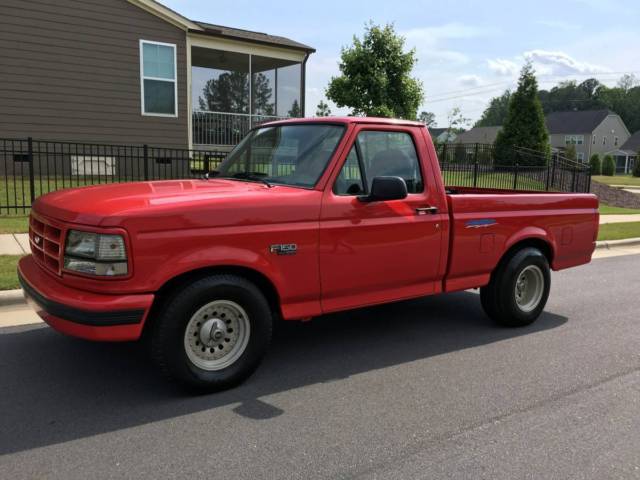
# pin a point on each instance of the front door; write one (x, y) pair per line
(380, 251)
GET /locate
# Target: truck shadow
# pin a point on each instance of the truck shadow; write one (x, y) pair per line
(56, 389)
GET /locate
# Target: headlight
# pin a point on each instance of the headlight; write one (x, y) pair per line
(95, 253)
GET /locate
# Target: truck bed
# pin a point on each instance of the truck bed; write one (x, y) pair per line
(485, 223)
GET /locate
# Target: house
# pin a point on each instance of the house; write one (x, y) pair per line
(136, 72)
(485, 135)
(442, 135)
(627, 154)
(590, 131)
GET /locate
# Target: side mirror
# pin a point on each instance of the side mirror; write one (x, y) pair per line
(386, 188)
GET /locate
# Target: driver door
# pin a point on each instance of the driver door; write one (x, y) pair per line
(375, 252)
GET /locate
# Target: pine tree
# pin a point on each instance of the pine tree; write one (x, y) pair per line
(596, 164)
(525, 125)
(323, 110)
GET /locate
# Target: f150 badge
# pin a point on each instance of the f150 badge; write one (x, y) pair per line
(483, 223)
(284, 249)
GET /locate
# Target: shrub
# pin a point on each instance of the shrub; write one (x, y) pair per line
(596, 164)
(636, 166)
(570, 152)
(608, 166)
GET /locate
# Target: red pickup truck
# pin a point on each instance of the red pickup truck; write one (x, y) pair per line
(303, 218)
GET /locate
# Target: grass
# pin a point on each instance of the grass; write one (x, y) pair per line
(619, 231)
(618, 180)
(18, 224)
(609, 210)
(491, 180)
(8, 275)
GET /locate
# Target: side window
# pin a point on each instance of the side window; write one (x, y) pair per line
(349, 182)
(390, 154)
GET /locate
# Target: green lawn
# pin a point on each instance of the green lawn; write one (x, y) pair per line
(17, 224)
(618, 180)
(8, 276)
(491, 180)
(609, 210)
(618, 231)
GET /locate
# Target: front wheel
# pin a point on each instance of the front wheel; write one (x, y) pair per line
(519, 289)
(212, 334)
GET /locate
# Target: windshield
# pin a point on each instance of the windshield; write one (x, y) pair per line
(287, 154)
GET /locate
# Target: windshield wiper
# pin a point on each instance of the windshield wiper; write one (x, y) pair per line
(255, 176)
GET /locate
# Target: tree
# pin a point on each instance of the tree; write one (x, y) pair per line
(608, 166)
(376, 77)
(570, 152)
(323, 110)
(456, 120)
(295, 111)
(227, 93)
(596, 164)
(525, 125)
(636, 165)
(496, 113)
(428, 118)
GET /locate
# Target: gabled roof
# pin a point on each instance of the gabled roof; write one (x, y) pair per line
(437, 131)
(203, 28)
(249, 36)
(479, 135)
(584, 121)
(633, 143)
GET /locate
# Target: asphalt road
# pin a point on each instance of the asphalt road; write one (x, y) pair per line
(420, 389)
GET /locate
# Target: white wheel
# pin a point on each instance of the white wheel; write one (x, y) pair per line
(529, 288)
(217, 335)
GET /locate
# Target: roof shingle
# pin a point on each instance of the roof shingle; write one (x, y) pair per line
(584, 121)
(633, 143)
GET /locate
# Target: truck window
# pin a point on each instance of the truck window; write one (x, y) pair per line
(293, 155)
(382, 154)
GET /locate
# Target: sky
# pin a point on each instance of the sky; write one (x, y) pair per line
(468, 52)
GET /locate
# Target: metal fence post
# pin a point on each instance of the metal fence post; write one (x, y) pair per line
(515, 178)
(32, 186)
(475, 167)
(549, 160)
(145, 150)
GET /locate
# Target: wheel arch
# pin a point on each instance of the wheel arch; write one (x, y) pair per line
(259, 279)
(538, 242)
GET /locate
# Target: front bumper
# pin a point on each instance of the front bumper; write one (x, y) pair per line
(110, 318)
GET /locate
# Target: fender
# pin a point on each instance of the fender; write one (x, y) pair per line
(536, 233)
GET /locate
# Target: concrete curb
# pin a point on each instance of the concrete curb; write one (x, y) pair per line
(11, 297)
(609, 244)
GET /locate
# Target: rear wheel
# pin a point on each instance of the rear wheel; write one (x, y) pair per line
(519, 289)
(213, 334)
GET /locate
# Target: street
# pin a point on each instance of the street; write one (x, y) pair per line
(428, 388)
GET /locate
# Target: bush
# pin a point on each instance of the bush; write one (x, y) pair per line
(570, 152)
(608, 166)
(596, 164)
(636, 166)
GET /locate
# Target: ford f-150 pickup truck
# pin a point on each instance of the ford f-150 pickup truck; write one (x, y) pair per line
(304, 217)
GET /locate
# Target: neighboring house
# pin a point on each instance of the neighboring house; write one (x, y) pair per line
(627, 154)
(486, 135)
(590, 131)
(442, 135)
(136, 72)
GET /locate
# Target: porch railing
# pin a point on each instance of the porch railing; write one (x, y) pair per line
(220, 128)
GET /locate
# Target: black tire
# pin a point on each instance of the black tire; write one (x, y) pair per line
(168, 335)
(499, 297)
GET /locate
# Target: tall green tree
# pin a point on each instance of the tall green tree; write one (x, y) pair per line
(375, 77)
(525, 125)
(428, 118)
(496, 113)
(295, 111)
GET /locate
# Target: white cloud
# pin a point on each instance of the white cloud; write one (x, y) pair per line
(470, 80)
(503, 67)
(560, 63)
(559, 24)
(446, 31)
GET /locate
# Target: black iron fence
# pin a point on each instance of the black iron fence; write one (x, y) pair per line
(29, 168)
(484, 166)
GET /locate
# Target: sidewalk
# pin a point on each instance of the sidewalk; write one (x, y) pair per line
(604, 219)
(14, 244)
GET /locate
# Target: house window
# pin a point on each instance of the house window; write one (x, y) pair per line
(580, 156)
(159, 89)
(615, 141)
(594, 140)
(574, 139)
(604, 140)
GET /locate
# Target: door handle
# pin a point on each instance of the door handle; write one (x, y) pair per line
(425, 210)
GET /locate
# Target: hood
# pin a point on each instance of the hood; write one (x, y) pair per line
(91, 205)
